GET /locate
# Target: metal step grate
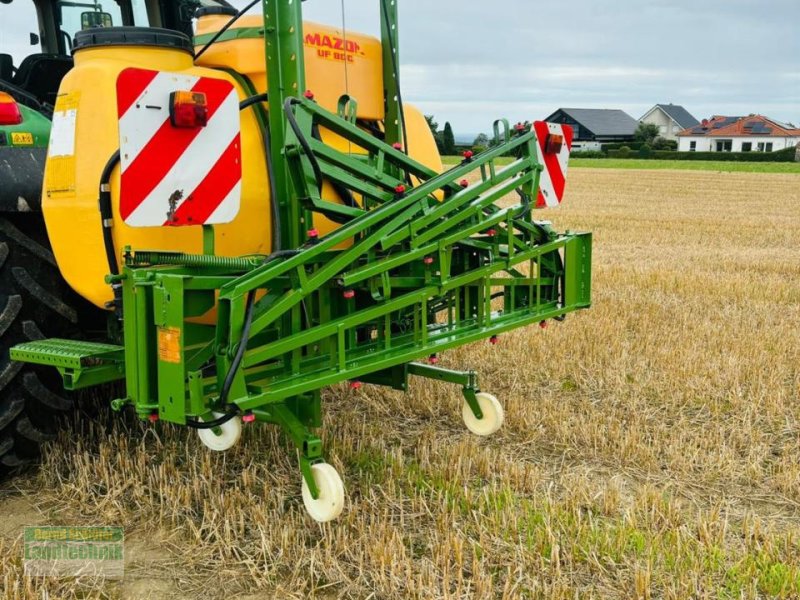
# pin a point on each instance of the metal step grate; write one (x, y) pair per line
(67, 354)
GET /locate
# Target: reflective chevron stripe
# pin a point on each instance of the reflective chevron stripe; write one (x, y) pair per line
(177, 176)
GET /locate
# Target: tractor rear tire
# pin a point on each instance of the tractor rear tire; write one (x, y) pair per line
(35, 303)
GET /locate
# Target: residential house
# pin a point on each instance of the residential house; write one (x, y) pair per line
(670, 119)
(596, 126)
(754, 133)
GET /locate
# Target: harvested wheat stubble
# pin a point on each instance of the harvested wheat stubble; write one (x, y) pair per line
(650, 449)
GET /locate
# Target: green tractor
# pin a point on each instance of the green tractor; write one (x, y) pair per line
(35, 302)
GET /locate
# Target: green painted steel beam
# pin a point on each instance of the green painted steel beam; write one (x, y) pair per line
(390, 43)
(285, 60)
(292, 386)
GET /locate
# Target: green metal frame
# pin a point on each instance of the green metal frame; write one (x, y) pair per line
(410, 272)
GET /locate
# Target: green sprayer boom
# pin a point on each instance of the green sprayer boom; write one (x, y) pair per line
(422, 263)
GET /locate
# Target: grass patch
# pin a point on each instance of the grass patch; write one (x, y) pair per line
(681, 165)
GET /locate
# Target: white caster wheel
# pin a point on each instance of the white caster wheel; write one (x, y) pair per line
(230, 434)
(330, 502)
(493, 415)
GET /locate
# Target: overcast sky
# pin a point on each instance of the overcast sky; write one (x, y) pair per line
(471, 61)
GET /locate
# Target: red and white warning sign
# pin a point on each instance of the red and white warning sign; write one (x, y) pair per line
(180, 149)
(554, 143)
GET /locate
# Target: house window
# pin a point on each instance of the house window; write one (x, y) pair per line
(692, 146)
(747, 146)
(768, 147)
(760, 146)
(724, 145)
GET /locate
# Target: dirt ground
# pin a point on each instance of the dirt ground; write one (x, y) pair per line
(650, 448)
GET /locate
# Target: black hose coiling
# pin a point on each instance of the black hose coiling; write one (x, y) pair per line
(218, 422)
(233, 410)
(253, 100)
(106, 213)
(342, 191)
(287, 108)
(107, 219)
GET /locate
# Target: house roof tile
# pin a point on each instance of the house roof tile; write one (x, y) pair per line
(752, 125)
(679, 114)
(604, 121)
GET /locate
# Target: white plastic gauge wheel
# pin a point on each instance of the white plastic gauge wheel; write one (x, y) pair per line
(493, 415)
(330, 502)
(230, 434)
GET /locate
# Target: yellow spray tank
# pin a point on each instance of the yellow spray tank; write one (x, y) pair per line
(86, 135)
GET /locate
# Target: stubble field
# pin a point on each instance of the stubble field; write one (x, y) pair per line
(651, 445)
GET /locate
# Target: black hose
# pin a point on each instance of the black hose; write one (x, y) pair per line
(342, 191)
(225, 28)
(277, 235)
(233, 410)
(257, 99)
(107, 220)
(287, 108)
